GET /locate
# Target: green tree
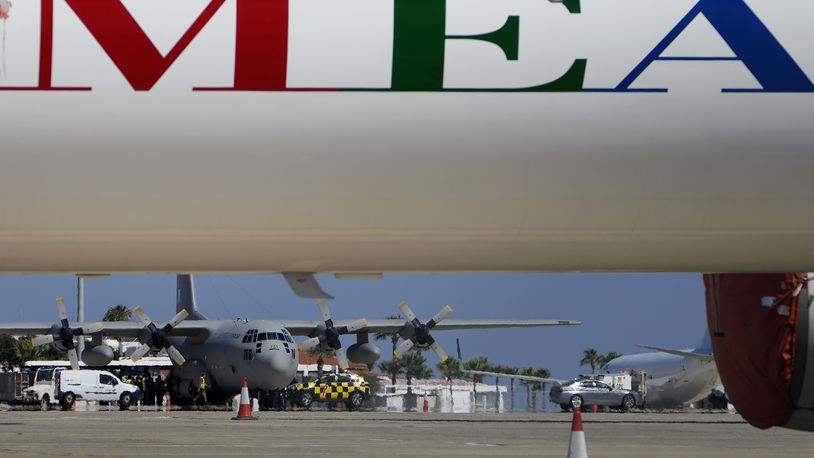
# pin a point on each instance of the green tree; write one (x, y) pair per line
(540, 386)
(450, 369)
(393, 367)
(415, 367)
(18, 351)
(605, 359)
(319, 353)
(117, 313)
(590, 357)
(498, 369)
(393, 336)
(531, 396)
(478, 363)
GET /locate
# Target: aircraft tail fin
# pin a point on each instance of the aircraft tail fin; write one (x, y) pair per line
(185, 297)
(705, 346)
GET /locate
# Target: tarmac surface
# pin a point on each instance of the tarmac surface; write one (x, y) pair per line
(192, 433)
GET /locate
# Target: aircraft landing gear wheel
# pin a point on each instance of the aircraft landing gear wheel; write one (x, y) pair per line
(67, 400)
(125, 400)
(306, 399)
(576, 401)
(628, 402)
(355, 401)
(44, 403)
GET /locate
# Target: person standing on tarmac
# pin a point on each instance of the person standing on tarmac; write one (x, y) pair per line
(201, 388)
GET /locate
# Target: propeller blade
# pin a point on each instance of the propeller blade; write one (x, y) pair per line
(342, 358)
(439, 351)
(181, 316)
(357, 325)
(175, 355)
(74, 359)
(403, 348)
(309, 344)
(92, 328)
(42, 340)
(406, 311)
(440, 316)
(63, 312)
(142, 315)
(140, 351)
(323, 309)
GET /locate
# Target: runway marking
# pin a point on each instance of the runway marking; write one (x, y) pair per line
(477, 444)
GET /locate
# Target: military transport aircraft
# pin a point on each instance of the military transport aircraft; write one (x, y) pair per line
(264, 351)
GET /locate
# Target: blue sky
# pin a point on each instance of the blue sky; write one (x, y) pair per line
(617, 311)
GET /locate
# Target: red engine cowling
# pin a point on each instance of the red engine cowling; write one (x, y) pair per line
(759, 327)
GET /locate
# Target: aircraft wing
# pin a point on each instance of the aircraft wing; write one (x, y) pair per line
(111, 328)
(687, 354)
(306, 327)
(517, 377)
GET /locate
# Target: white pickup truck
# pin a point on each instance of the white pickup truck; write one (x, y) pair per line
(63, 386)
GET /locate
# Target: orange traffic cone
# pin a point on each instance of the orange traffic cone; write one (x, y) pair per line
(245, 411)
(576, 446)
(426, 407)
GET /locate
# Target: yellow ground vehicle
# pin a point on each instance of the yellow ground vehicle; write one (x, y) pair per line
(345, 387)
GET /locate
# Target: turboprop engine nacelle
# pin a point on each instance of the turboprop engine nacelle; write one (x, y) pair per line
(100, 355)
(365, 353)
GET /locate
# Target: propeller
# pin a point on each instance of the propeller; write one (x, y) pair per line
(62, 336)
(421, 332)
(153, 338)
(328, 337)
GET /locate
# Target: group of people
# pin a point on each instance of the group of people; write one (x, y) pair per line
(153, 388)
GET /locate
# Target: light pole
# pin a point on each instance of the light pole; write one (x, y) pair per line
(80, 304)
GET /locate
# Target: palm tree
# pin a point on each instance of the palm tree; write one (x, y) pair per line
(117, 313)
(320, 354)
(479, 363)
(415, 367)
(394, 367)
(500, 370)
(531, 396)
(392, 336)
(542, 373)
(590, 357)
(511, 371)
(450, 368)
(605, 359)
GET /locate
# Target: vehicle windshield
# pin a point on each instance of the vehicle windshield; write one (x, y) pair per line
(44, 376)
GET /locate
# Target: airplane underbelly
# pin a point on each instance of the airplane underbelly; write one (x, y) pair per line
(394, 182)
(543, 157)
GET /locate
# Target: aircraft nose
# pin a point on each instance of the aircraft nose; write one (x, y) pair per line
(281, 367)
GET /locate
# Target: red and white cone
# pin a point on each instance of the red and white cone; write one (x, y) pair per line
(576, 446)
(245, 410)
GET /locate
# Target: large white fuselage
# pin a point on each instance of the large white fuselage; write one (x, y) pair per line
(672, 381)
(140, 171)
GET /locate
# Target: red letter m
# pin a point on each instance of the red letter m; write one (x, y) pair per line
(127, 45)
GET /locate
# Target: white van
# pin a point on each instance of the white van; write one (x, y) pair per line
(92, 385)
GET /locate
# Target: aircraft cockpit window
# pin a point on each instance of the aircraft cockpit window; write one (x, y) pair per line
(261, 337)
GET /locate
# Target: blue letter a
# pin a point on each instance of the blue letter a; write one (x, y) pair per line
(748, 38)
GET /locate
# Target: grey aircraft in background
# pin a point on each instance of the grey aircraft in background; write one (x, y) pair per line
(263, 351)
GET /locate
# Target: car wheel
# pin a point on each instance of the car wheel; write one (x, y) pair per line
(576, 401)
(68, 400)
(356, 400)
(565, 407)
(306, 399)
(125, 400)
(628, 402)
(45, 403)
